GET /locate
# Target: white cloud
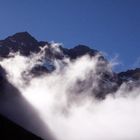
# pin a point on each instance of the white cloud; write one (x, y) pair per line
(72, 113)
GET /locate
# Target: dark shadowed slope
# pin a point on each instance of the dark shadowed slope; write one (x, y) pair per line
(17, 109)
(12, 131)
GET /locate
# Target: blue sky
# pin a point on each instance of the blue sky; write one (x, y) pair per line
(111, 26)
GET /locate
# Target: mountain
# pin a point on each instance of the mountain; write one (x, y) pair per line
(78, 51)
(130, 75)
(22, 42)
(25, 44)
(11, 131)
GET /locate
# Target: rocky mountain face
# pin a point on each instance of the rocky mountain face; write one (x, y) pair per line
(22, 42)
(25, 44)
(130, 75)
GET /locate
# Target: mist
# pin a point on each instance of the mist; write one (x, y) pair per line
(66, 100)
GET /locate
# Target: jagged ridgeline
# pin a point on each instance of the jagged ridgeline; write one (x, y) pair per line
(25, 44)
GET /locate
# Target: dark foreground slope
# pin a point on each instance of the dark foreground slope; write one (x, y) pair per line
(11, 131)
(18, 110)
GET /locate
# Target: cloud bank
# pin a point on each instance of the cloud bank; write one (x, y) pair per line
(66, 98)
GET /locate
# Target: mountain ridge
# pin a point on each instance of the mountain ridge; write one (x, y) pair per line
(24, 43)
